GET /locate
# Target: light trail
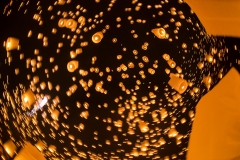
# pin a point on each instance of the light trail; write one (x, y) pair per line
(42, 103)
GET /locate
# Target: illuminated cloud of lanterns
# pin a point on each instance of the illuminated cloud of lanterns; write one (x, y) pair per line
(140, 97)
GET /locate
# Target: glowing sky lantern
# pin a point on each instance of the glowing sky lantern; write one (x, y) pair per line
(143, 126)
(207, 81)
(71, 24)
(171, 63)
(62, 22)
(28, 98)
(55, 114)
(29, 152)
(52, 148)
(172, 133)
(178, 84)
(40, 145)
(73, 54)
(61, 2)
(97, 37)
(81, 20)
(10, 147)
(160, 33)
(75, 158)
(166, 57)
(72, 65)
(12, 43)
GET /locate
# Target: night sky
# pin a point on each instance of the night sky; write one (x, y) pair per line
(128, 66)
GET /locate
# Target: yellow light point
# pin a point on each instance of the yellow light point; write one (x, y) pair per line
(54, 31)
(220, 75)
(179, 70)
(207, 81)
(71, 24)
(183, 120)
(73, 88)
(144, 148)
(118, 123)
(62, 23)
(71, 137)
(209, 58)
(166, 57)
(61, 2)
(10, 147)
(172, 133)
(55, 113)
(12, 43)
(97, 37)
(50, 86)
(200, 65)
(40, 145)
(78, 50)
(171, 63)
(131, 131)
(73, 54)
(162, 141)
(143, 126)
(84, 114)
(75, 158)
(81, 126)
(178, 84)
(28, 98)
(81, 20)
(72, 66)
(160, 33)
(191, 114)
(163, 113)
(98, 86)
(52, 148)
(115, 138)
(30, 33)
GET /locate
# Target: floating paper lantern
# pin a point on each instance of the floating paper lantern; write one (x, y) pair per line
(40, 145)
(166, 57)
(81, 20)
(73, 88)
(143, 126)
(62, 22)
(97, 37)
(29, 152)
(52, 148)
(171, 63)
(207, 81)
(73, 54)
(61, 2)
(75, 158)
(55, 114)
(178, 84)
(209, 58)
(159, 32)
(172, 133)
(10, 147)
(78, 50)
(28, 98)
(12, 43)
(72, 66)
(200, 65)
(71, 24)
